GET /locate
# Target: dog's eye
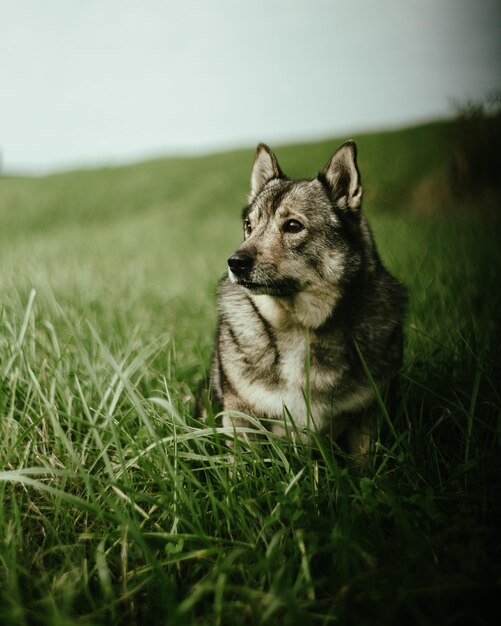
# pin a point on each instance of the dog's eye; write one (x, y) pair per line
(247, 228)
(292, 226)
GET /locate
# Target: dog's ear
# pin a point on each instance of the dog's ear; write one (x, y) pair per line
(343, 178)
(264, 169)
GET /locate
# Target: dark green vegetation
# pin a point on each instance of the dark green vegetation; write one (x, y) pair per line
(116, 507)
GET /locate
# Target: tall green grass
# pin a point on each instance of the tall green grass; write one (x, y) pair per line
(116, 506)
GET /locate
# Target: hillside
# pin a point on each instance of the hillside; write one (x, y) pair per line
(149, 241)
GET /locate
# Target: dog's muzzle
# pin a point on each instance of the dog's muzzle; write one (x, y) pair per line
(240, 263)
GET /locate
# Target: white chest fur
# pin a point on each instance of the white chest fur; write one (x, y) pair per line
(293, 394)
(298, 381)
(303, 390)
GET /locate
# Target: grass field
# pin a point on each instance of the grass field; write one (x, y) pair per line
(116, 507)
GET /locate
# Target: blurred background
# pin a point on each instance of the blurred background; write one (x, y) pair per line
(93, 83)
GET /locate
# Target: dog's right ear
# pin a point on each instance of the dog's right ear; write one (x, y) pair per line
(264, 169)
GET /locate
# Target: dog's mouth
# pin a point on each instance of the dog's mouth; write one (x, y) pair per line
(283, 287)
(259, 288)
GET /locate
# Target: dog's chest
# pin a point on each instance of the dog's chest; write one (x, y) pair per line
(305, 364)
(293, 359)
(301, 384)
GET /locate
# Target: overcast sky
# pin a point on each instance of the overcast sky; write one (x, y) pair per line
(101, 81)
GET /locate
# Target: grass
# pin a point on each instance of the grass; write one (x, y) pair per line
(117, 507)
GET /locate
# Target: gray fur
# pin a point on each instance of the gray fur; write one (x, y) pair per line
(307, 275)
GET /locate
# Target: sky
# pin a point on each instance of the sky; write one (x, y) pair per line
(95, 82)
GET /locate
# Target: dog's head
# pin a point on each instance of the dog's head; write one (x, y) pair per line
(301, 235)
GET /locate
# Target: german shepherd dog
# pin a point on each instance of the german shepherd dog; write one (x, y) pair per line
(307, 308)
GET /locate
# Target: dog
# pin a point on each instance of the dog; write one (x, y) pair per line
(310, 321)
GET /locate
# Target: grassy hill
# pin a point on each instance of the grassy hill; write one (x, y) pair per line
(116, 506)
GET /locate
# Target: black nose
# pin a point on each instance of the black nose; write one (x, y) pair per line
(240, 262)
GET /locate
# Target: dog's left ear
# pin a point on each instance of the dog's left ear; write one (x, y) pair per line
(342, 176)
(264, 169)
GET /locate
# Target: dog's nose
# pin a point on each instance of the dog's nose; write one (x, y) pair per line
(240, 262)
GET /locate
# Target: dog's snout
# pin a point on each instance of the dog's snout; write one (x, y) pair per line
(240, 262)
